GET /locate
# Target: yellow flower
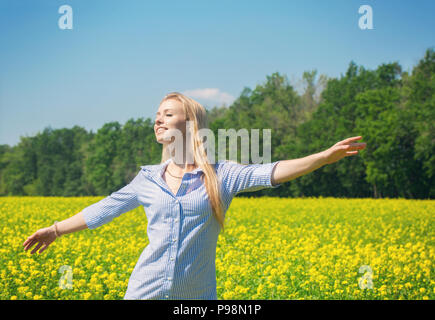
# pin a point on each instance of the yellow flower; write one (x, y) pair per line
(314, 252)
(228, 295)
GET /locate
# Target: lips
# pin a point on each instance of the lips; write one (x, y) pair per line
(161, 129)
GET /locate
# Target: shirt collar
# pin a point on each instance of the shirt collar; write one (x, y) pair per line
(160, 168)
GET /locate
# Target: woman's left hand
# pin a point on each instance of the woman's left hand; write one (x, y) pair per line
(43, 237)
(343, 149)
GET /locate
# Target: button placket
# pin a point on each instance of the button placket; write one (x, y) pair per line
(173, 246)
(172, 222)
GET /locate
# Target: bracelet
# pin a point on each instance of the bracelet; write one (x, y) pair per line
(55, 229)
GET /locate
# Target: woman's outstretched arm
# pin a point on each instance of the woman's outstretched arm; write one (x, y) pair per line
(90, 217)
(72, 224)
(45, 236)
(287, 170)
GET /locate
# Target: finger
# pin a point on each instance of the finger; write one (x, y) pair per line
(348, 140)
(29, 245)
(355, 146)
(36, 248)
(43, 248)
(28, 239)
(351, 153)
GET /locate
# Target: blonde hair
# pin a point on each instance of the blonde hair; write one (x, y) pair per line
(197, 114)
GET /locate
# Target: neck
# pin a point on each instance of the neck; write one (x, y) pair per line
(181, 167)
(181, 160)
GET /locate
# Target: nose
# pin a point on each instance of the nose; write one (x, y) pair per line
(158, 121)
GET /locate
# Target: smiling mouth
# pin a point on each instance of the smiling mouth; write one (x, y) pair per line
(161, 130)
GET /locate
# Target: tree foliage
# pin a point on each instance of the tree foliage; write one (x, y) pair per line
(394, 112)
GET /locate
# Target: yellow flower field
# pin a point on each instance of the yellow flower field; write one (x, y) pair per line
(272, 248)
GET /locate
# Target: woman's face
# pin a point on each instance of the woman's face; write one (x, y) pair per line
(169, 116)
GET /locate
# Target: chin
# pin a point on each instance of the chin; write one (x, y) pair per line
(161, 141)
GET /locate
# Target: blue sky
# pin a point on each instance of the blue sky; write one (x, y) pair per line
(122, 57)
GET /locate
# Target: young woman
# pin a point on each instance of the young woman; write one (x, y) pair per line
(185, 204)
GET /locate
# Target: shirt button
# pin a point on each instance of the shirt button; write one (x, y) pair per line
(174, 239)
(172, 259)
(169, 278)
(176, 219)
(166, 296)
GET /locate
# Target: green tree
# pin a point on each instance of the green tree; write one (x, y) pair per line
(100, 162)
(420, 105)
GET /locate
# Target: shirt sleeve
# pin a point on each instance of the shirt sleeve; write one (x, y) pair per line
(247, 178)
(118, 202)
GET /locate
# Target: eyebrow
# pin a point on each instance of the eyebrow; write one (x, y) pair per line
(164, 110)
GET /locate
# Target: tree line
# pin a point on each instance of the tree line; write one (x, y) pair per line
(393, 110)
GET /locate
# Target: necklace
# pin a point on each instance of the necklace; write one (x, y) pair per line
(167, 170)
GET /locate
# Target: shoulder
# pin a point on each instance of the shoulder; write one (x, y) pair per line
(226, 162)
(225, 168)
(223, 164)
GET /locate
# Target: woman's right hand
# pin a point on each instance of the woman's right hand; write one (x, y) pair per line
(43, 237)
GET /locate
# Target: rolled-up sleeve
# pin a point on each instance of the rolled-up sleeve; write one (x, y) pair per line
(118, 202)
(239, 178)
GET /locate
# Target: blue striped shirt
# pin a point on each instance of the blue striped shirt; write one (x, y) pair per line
(179, 261)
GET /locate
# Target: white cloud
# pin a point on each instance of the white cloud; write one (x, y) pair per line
(210, 95)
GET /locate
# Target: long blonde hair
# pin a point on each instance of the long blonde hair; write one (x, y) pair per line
(197, 114)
